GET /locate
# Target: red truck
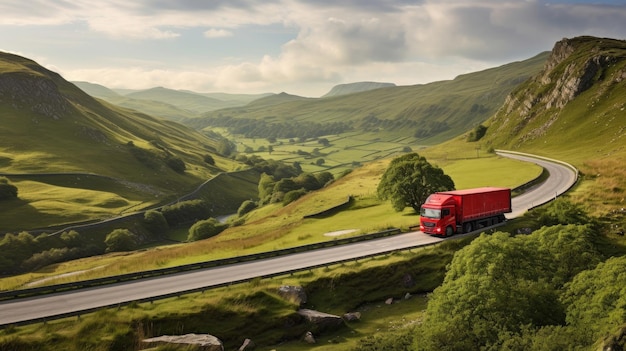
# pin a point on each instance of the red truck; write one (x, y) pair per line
(449, 212)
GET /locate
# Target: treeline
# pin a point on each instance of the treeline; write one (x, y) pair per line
(258, 128)
(25, 252)
(281, 182)
(549, 290)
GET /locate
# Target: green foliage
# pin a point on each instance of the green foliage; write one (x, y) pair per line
(7, 190)
(176, 164)
(293, 195)
(323, 178)
(266, 185)
(562, 211)
(596, 299)
(205, 229)
(320, 161)
(121, 240)
(186, 211)
(410, 179)
(477, 133)
(246, 207)
(155, 222)
(209, 160)
(498, 284)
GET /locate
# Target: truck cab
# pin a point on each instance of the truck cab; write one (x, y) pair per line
(438, 215)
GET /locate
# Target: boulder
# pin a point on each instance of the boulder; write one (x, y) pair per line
(293, 293)
(352, 316)
(321, 319)
(204, 342)
(309, 338)
(389, 301)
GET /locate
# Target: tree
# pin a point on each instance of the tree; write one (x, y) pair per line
(205, 229)
(409, 180)
(320, 161)
(155, 222)
(120, 240)
(209, 159)
(246, 207)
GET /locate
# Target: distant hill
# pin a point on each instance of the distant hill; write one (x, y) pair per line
(275, 100)
(350, 88)
(97, 90)
(174, 105)
(432, 112)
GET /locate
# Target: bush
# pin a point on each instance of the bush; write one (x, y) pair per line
(246, 207)
(121, 240)
(293, 196)
(155, 222)
(186, 211)
(205, 229)
(176, 164)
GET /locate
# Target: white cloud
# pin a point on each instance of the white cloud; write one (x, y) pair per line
(218, 33)
(335, 42)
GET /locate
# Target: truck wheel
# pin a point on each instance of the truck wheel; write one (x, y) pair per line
(468, 227)
(449, 231)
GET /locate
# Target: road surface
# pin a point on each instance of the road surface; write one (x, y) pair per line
(561, 179)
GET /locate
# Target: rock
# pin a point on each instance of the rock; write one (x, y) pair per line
(352, 316)
(321, 319)
(247, 345)
(389, 301)
(205, 342)
(407, 296)
(308, 338)
(293, 293)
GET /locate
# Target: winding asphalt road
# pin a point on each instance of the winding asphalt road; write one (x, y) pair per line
(562, 177)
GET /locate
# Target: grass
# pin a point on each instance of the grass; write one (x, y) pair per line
(276, 227)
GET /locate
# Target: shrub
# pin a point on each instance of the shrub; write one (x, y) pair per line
(176, 164)
(246, 207)
(205, 229)
(121, 240)
(155, 222)
(293, 196)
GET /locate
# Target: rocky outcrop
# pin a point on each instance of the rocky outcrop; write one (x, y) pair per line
(352, 316)
(573, 67)
(320, 319)
(203, 342)
(36, 93)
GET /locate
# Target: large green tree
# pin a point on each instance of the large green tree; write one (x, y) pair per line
(410, 179)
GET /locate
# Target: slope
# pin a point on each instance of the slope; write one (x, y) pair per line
(432, 112)
(351, 88)
(48, 125)
(573, 110)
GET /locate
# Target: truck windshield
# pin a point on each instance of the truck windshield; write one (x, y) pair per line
(430, 213)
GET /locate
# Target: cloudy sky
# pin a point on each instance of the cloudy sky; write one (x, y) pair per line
(301, 47)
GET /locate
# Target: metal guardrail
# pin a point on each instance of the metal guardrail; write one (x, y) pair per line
(14, 294)
(220, 285)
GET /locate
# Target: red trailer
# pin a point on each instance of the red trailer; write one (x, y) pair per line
(449, 212)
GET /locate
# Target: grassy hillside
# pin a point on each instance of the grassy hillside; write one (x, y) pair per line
(574, 110)
(48, 125)
(351, 88)
(434, 112)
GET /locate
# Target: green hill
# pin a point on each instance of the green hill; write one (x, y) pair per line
(48, 125)
(192, 102)
(572, 110)
(351, 88)
(432, 112)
